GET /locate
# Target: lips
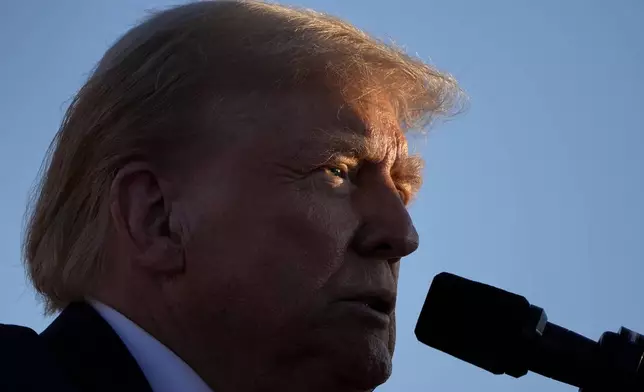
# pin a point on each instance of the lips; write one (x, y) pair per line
(381, 301)
(378, 304)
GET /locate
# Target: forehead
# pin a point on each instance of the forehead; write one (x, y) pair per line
(307, 131)
(368, 132)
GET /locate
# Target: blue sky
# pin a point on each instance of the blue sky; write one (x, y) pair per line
(538, 188)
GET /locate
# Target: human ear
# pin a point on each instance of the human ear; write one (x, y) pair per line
(140, 209)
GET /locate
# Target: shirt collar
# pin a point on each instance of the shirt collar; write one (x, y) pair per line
(164, 370)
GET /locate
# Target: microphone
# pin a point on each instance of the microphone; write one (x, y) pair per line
(503, 333)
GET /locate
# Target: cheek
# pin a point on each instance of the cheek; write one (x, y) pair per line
(313, 234)
(268, 257)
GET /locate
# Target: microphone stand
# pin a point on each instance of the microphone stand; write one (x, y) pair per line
(614, 364)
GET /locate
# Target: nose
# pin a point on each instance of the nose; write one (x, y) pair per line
(386, 231)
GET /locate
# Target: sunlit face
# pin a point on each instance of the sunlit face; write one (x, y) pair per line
(296, 231)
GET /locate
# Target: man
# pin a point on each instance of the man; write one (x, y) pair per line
(225, 208)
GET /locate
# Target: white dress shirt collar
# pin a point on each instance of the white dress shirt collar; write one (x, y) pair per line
(163, 369)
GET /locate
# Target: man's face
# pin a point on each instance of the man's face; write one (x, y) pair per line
(295, 232)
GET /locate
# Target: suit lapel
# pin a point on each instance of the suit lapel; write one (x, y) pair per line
(91, 354)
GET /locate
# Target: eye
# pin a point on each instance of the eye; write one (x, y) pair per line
(339, 172)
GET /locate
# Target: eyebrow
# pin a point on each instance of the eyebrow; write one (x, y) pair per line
(354, 148)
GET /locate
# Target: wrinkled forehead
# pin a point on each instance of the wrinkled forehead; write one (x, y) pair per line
(317, 125)
(368, 130)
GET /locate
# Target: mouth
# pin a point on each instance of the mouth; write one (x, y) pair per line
(377, 303)
(380, 304)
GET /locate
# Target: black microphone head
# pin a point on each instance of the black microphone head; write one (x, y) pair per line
(480, 324)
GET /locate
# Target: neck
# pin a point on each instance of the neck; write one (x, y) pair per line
(236, 361)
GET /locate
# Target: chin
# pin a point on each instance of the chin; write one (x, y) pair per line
(364, 363)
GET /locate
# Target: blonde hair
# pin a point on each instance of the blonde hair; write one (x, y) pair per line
(143, 99)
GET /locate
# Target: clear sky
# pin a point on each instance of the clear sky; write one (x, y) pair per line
(538, 188)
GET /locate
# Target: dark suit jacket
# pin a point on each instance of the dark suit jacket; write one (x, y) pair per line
(78, 352)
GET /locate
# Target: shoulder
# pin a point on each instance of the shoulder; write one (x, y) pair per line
(19, 348)
(24, 363)
(16, 341)
(8, 331)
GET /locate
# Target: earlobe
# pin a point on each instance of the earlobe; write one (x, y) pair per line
(140, 207)
(166, 258)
